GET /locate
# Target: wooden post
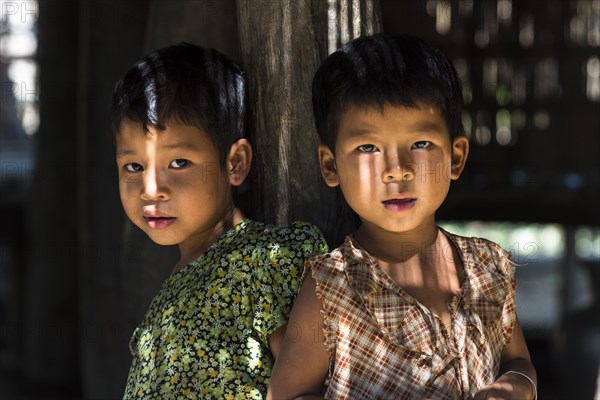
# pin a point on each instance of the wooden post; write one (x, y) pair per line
(282, 43)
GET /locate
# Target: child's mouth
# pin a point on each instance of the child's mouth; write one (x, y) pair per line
(159, 222)
(399, 204)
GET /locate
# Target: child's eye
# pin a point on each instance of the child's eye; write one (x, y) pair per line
(179, 163)
(421, 145)
(368, 148)
(133, 167)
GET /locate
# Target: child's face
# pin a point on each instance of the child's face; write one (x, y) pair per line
(172, 183)
(394, 168)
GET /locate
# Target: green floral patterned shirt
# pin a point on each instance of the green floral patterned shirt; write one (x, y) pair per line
(205, 335)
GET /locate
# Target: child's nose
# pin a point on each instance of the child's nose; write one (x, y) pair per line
(154, 187)
(398, 170)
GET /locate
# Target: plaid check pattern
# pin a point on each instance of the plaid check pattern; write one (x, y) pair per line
(384, 344)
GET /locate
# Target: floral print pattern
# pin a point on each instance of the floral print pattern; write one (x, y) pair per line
(205, 335)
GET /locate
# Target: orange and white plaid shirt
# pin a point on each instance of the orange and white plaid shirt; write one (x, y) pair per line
(384, 344)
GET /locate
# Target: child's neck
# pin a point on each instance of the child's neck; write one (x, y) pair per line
(396, 247)
(423, 262)
(191, 251)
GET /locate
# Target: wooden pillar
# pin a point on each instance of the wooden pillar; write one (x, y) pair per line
(282, 44)
(208, 23)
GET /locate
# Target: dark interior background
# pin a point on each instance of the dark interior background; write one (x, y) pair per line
(75, 276)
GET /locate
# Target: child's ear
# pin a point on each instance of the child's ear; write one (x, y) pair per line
(327, 164)
(239, 161)
(460, 151)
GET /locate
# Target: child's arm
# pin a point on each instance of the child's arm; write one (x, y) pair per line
(276, 340)
(302, 364)
(515, 362)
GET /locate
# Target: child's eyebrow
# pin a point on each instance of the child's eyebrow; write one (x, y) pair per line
(125, 152)
(360, 131)
(179, 146)
(425, 126)
(170, 146)
(419, 126)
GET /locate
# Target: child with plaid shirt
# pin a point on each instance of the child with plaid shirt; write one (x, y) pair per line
(408, 310)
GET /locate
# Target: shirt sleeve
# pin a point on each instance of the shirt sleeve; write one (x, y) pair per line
(277, 277)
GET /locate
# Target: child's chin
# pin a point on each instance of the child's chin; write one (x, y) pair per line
(161, 240)
(164, 242)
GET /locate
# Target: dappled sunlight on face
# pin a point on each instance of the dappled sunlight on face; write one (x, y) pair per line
(393, 164)
(164, 176)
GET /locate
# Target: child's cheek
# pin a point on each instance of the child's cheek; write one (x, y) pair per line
(129, 187)
(128, 178)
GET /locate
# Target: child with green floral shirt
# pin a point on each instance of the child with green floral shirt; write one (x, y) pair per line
(215, 327)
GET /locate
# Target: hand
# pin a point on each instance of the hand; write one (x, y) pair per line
(495, 391)
(506, 387)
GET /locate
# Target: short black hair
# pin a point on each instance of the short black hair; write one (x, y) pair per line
(187, 84)
(383, 69)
